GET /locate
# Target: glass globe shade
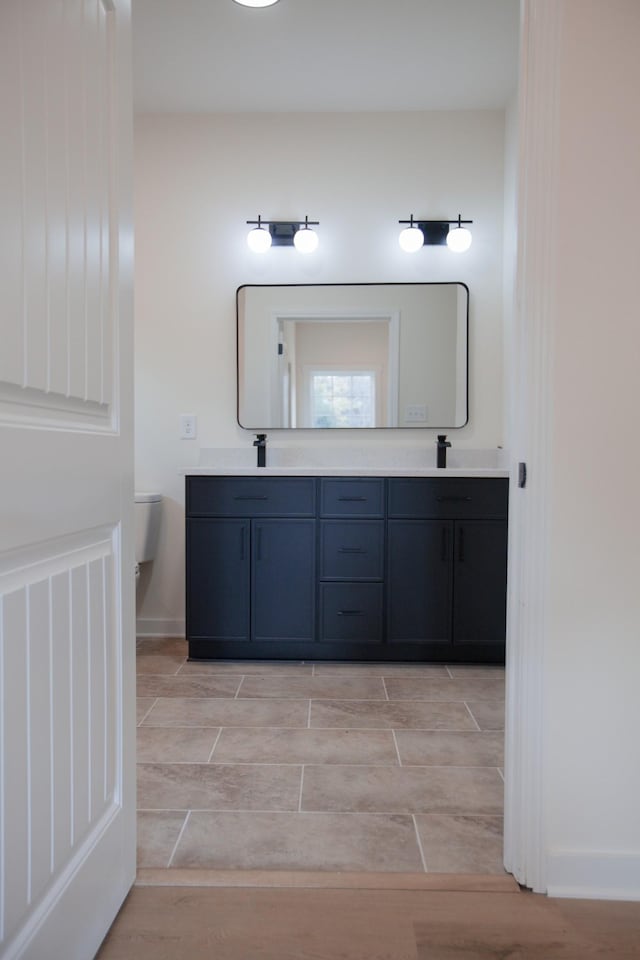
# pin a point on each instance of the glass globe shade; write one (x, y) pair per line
(256, 3)
(459, 239)
(411, 239)
(259, 240)
(305, 240)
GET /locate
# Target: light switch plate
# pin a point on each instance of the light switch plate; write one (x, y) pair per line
(415, 413)
(188, 426)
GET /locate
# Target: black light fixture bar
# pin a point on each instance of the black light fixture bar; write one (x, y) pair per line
(283, 231)
(434, 231)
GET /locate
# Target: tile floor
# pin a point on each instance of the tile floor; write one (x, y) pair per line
(317, 766)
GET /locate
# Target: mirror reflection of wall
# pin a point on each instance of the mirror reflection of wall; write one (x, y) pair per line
(352, 356)
(341, 372)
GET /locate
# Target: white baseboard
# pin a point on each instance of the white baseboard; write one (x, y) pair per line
(159, 627)
(594, 876)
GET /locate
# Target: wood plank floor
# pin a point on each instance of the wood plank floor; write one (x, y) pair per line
(209, 923)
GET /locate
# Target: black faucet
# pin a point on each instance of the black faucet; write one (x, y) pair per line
(442, 445)
(261, 444)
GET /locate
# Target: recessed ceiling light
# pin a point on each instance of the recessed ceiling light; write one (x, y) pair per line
(256, 3)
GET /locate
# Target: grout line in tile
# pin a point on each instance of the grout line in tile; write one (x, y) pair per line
(450, 811)
(471, 715)
(395, 743)
(328, 763)
(384, 687)
(142, 719)
(301, 786)
(374, 700)
(501, 772)
(446, 666)
(175, 846)
(296, 763)
(313, 669)
(239, 685)
(215, 744)
(309, 716)
(292, 811)
(343, 726)
(422, 857)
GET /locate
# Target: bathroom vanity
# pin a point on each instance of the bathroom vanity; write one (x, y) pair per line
(316, 566)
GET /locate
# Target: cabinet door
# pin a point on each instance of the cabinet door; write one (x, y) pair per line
(419, 599)
(283, 563)
(480, 577)
(218, 579)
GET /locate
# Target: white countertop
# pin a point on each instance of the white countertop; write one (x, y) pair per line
(346, 472)
(358, 462)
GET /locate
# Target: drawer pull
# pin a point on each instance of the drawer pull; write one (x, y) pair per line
(250, 498)
(453, 499)
(350, 613)
(353, 499)
(351, 550)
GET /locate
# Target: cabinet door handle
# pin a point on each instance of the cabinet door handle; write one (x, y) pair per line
(443, 546)
(352, 499)
(350, 613)
(461, 545)
(259, 543)
(250, 498)
(242, 543)
(453, 499)
(351, 550)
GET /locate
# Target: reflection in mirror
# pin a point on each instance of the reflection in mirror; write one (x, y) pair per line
(352, 355)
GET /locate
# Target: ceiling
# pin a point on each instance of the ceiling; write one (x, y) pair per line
(201, 56)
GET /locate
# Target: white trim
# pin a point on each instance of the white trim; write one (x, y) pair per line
(351, 315)
(29, 934)
(310, 371)
(571, 873)
(393, 370)
(159, 627)
(530, 521)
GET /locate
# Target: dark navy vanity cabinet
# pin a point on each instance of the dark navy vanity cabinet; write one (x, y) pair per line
(447, 549)
(346, 568)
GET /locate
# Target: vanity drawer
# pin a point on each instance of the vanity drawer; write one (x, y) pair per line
(452, 498)
(352, 549)
(351, 611)
(358, 497)
(250, 496)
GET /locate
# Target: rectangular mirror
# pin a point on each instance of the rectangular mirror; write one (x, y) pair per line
(352, 355)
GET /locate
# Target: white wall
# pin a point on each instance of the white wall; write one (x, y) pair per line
(198, 179)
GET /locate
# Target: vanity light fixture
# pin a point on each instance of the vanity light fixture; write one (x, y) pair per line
(420, 233)
(282, 233)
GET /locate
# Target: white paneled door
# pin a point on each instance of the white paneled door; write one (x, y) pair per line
(67, 648)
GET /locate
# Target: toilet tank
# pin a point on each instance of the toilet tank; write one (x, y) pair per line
(147, 514)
